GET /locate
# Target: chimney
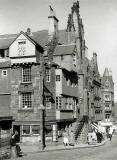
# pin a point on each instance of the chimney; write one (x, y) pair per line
(28, 31)
(53, 25)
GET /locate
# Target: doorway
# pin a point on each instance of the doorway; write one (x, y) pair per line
(17, 128)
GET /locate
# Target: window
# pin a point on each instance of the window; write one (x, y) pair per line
(107, 97)
(74, 59)
(26, 129)
(70, 103)
(2, 53)
(27, 100)
(107, 106)
(21, 48)
(58, 102)
(68, 82)
(35, 129)
(48, 130)
(4, 73)
(66, 102)
(47, 75)
(107, 83)
(62, 57)
(57, 77)
(26, 74)
(48, 102)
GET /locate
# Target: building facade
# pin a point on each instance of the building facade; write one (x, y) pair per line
(108, 95)
(5, 117)
(50, 83)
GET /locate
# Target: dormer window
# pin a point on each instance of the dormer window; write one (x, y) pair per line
(21, 48)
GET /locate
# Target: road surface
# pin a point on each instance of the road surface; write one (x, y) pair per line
(105, 152)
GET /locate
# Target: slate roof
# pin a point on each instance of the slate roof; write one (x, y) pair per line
(6, 40)
(4, 63)
(40, 37)
(64, 50)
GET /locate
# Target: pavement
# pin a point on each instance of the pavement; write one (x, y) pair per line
(35, 148)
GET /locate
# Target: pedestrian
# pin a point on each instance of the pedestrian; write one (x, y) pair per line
(13, 147)
(65, 140)
(94, 137)
(110, 133)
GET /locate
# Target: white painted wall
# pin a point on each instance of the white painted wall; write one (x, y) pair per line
(30, 47)
(59, 83)
(23, 60)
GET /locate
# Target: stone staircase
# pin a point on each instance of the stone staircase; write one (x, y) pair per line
(80, 130)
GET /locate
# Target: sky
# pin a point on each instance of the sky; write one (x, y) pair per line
(99, 19)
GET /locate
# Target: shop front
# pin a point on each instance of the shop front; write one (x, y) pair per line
(30, 131)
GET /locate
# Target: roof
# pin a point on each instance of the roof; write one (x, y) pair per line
(39, 47)
(6, 40)
(66, 66)
(106, 72)
(7, 118)
(5, 62)
(40, 37)
(64, 50)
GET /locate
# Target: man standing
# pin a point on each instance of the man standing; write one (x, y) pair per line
(13, 147)
(110, 133)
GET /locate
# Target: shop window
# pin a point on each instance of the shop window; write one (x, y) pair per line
(57, 77)
(26, 100)
(35, 129)
(26, 130)
(48, 130)
(26, 74)
(47, 75)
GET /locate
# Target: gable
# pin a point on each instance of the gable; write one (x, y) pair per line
(21, 47)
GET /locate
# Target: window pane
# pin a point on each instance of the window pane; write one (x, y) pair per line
(48, 130)
(47, 72)
(26, 75)
(57, 77)
(21, 48)
(26, 100)
(48, 102)
(35, 129)
(26, 129)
